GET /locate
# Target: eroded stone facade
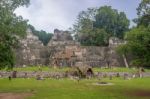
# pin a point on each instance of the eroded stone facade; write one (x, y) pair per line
(31, 51)
(62, 50)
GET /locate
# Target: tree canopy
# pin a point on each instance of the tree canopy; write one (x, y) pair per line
(96, 23)
(143, 12)
(10, 27)
(138, 38)
(115, 23)
(138, 44)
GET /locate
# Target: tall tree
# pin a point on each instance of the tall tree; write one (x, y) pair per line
(138, 38)
(10, 26)
(84, 24)
(105, 18)
(112, 21)
(138, 44)
(143, 12)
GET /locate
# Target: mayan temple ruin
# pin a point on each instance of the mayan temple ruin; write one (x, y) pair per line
(31, 51)
(62, 50)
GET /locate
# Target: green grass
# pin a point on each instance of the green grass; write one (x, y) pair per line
(70, 89)
(115, 69)
(45, 68)
(36, 68)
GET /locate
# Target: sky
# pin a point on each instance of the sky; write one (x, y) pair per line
(62, 14)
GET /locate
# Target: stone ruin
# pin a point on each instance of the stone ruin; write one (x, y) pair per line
(61, 36)
(62, 50)
(31, 51)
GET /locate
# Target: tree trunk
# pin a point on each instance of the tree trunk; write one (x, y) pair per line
(125, 61)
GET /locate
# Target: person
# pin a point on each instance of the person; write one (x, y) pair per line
(141, 70)
(117, 75)
(40, 68)
(14, 74)
(38, 77)
(125, 76)
(9, 77)
(25, 75)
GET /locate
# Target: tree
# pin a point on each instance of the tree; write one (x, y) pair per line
(42, 35)
(144, 8)
(143, 12)
(97, 37)
(84, 24)
(138, 38)
(10, 26)
(138, 44)
(85, 21)
(105, 18)
(114, 23)
(123, 50)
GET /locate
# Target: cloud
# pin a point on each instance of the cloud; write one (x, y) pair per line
(50, 14)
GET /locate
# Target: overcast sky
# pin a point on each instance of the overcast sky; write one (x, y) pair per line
(50, 14)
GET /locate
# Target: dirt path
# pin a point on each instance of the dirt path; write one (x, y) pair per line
(139, 93)
(14, 95)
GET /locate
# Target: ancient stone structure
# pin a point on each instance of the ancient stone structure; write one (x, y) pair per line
(61, 35)
(62, 50)
(113, 42)
(31, 51)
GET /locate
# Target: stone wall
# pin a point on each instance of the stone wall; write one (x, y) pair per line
(46, 74)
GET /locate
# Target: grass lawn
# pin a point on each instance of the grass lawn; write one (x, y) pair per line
(96, 69)
(70, 89)
(45, 68)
